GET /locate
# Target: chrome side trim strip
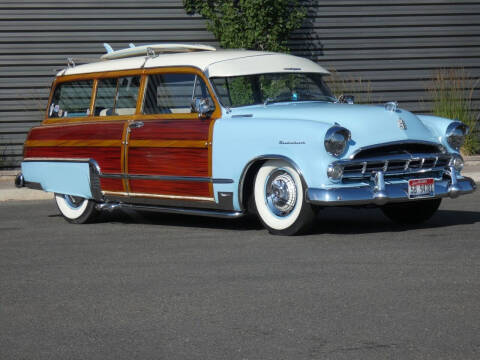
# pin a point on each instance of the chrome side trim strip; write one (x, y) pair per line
(225, 202)
(166, 178)
(242, 115)
(174, 210)
(47, 159)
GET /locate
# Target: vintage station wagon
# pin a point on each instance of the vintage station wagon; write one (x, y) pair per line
(195, 130)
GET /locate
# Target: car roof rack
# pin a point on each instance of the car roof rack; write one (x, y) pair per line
(152, 50)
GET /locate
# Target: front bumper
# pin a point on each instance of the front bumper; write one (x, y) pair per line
(380, 192)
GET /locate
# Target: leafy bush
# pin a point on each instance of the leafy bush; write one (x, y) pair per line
(452, 91)
(250, 24)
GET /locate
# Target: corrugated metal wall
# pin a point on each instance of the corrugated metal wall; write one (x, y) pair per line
(390, 48)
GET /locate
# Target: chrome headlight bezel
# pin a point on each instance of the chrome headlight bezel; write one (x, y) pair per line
(336, 140)
(455, 134)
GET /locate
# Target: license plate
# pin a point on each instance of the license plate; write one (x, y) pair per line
(420, 188)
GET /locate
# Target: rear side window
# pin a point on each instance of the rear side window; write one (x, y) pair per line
(71, 99)
(117, 96)
(173, 93)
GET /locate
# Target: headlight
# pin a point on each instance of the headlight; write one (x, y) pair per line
(456, 133)
(336, 140)
(457, 162)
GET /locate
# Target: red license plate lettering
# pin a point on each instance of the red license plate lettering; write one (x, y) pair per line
(420, 188)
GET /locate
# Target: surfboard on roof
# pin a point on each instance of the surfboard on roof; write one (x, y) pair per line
(153, 48)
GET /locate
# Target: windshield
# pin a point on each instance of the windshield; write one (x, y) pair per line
(269, 88)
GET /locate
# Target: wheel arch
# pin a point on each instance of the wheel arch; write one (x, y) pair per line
(245, 185)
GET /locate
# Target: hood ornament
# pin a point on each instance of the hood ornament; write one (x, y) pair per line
(402, 124)
(391, 106)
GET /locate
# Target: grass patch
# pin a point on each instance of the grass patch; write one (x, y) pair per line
(452, 91)
(341, 85)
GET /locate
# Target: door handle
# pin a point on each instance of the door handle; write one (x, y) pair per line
(135, 125)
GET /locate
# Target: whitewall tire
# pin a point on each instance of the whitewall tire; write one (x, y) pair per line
(76, 209)
(279, 199)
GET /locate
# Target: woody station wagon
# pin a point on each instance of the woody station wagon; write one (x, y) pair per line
(190, 129)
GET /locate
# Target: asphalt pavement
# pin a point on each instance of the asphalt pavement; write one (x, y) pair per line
(149, 286)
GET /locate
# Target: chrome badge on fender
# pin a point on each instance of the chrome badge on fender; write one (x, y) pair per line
(402, 124)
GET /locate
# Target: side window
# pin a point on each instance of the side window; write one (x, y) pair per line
(117, 96)
(105, 100)
(173, 93)
(71, 100)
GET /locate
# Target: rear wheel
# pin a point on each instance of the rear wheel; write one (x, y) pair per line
(414, 212)
(279, 199)
(76, 209)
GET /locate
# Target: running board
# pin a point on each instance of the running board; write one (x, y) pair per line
(172, 210)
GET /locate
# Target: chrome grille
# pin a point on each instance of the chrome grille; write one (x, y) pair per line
(394, 165)
(395, 148)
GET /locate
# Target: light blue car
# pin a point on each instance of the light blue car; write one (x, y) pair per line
(280, 146)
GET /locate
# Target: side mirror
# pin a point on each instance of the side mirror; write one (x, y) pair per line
(346, 99)
(201, 106)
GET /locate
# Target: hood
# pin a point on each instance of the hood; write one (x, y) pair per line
(368, 124)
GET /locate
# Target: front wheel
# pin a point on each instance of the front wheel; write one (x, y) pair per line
(279, 199)
(415, 212)
(76, 209)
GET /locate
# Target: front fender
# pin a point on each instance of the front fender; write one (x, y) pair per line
(438, 126)
(239, 141)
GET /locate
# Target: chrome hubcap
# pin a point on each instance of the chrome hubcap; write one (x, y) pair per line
(281, 193)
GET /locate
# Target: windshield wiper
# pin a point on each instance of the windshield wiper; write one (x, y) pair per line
(268, 101)
(275, 100)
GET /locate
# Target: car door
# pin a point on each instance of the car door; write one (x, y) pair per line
(169, 149)
(115, 106)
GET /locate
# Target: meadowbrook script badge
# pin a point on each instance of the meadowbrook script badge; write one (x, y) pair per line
(402, 124)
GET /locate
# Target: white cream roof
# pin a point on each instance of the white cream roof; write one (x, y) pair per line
(213, 63)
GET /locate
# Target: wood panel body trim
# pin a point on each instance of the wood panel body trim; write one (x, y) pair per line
(176, 145)
(157, 196)
(124, 154)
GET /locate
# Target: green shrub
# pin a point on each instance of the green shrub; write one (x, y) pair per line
(250, 24)
(452, 91)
